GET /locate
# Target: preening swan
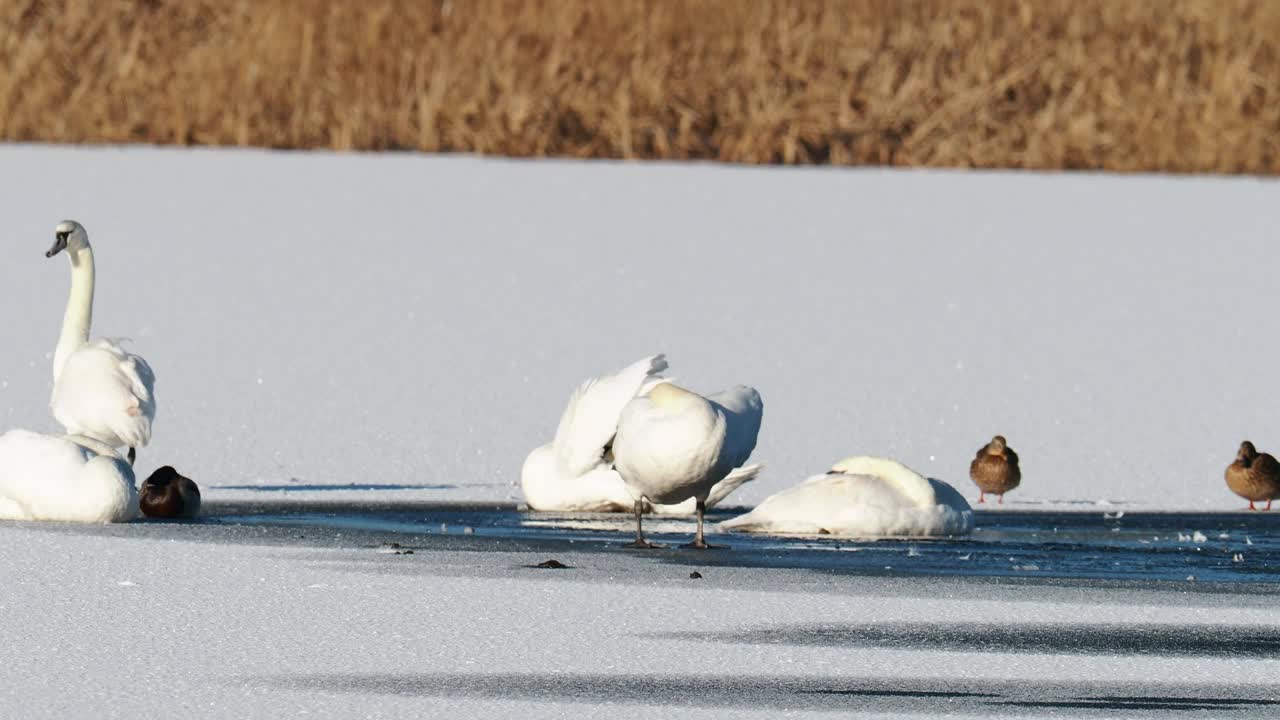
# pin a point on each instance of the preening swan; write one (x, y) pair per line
(574, 473)
(995, 469)
(673, 444)
(166, 494)
(99, 390)
(69, 479)
(861, 497)
(1254, 476)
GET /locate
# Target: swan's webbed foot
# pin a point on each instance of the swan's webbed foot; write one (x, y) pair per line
(703, 545)
(133, 455)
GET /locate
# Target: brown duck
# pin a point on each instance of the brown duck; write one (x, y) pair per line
(166, 494)
(995, 469)
(1254, 476)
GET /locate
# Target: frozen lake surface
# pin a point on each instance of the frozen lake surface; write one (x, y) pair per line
(342, 342)
(279, 608)
(321, 319)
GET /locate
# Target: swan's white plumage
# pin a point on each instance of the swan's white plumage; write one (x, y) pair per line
(745, 411)
(547, 487)
(862, 497)
(673, 444)
(571, 473)
(590, 420)
(107, 393)
(52, 477)
(99, 389)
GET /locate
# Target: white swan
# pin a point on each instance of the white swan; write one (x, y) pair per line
(99, 390)
(68, 479)
(574, 474)
(862, 497)
(673, 444)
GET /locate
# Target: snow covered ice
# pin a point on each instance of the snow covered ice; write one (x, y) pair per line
(392, 329)
(401, 321)
(147, 619)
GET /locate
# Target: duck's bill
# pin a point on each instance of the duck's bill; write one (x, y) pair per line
(59, 245)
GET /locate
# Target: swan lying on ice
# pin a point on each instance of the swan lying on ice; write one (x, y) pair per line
(673, 444)
(862, 497)
(575, 473)
(68, 479)
(99, 390)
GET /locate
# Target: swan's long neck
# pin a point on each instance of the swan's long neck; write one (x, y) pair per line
(95, 445)
(79, 314)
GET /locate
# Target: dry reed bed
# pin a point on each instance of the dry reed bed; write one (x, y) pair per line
(1188, 86)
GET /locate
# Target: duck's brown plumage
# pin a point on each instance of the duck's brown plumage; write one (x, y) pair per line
(1254, 476)
(166, 494)
(995, 468)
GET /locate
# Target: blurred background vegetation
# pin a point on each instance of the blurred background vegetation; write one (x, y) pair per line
(1158, 85)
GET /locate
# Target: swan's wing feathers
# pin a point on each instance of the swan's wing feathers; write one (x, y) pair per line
(139, 380)
(744, 412)
(142, 381)
(738, 399)
(590, 421)
(107, 394)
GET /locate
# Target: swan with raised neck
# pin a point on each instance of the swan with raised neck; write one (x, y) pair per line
(71, 237)
(100, 390)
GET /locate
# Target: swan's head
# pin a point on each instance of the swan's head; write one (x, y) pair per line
(166, 494)
(997, 445)
(70, 236)
(1247, 453)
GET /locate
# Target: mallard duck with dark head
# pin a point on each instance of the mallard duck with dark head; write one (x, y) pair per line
(166, 494)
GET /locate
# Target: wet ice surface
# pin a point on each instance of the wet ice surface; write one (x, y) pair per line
(1202, 547)
(288, 608)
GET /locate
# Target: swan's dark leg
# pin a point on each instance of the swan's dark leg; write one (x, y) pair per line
(133, 455)
(700, 542)
(640, 542)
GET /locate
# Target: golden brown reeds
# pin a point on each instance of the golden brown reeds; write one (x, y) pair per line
(1167, 85)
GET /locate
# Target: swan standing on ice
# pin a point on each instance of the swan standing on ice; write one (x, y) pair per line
(99, 390)
(68, 479)
(862, 497)
(673, 444)
(575, 473)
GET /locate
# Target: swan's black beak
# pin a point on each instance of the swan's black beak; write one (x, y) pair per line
(59, 245)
